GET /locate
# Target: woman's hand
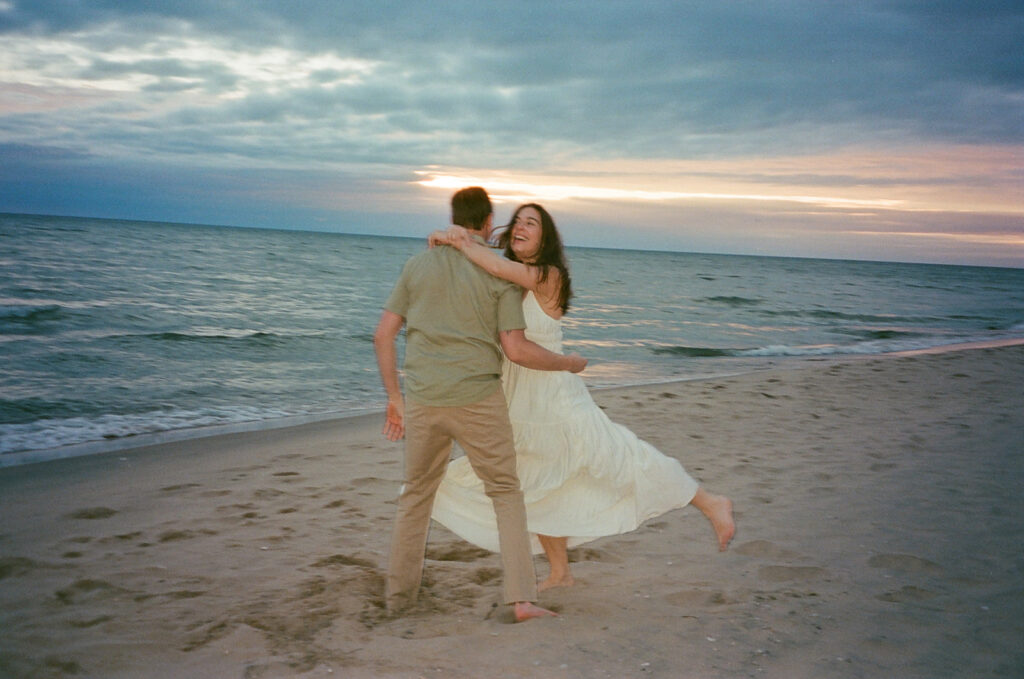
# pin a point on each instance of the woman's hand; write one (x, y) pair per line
(437, 238)
(457, 236)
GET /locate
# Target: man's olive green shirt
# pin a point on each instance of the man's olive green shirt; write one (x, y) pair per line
(453, 312)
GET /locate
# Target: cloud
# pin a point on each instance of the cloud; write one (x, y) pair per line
(651, 80)
(913, 104)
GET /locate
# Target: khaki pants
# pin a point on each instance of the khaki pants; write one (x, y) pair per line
(484, 432)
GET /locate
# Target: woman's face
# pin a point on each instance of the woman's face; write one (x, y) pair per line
(526, 234)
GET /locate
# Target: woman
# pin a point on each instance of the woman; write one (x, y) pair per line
(583, 476)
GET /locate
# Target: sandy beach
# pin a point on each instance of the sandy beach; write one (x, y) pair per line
(878, 502)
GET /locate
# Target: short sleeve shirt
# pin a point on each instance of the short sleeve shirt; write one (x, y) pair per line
(453, 312)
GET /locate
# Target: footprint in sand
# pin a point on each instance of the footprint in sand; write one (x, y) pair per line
(485, 575)
(456, 552)
(579, 554)
(364, 481)
(175, 535)
(86, 589)
(180, 486)
(367, 485)
(93, 513)
(288, 456)
(89, 622)
(906, 563)
(696, 598)
(764, 549)
(906, 594)
(124, 537)
(821, 491)
(12, 566)
(788, 573)
(344, 560)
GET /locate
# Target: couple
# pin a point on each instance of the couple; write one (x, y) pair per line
(583, 476)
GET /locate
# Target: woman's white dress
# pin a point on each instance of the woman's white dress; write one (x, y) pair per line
(583, 476)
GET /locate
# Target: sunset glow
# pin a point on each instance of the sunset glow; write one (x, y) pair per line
(524, 191)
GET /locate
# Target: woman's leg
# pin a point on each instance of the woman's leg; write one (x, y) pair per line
(557, 552)
(718, 510)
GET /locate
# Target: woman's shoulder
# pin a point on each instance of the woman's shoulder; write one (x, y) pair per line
(552, 280)
(548, 293)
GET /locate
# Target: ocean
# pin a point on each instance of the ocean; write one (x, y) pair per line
(118, 333)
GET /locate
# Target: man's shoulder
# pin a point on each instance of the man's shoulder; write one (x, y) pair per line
(454, 263)
(419, 260)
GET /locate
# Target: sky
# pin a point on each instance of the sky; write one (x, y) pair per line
(811, 128)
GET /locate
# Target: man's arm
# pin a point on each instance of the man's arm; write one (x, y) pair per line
(531, 355)
(384, 339)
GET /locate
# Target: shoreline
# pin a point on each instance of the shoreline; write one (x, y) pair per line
(879, 520)
(126, 444)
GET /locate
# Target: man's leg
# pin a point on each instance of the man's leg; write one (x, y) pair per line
(428, 444)
(485, 433)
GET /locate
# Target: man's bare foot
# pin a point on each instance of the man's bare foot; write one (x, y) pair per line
(524, 610)
(719, 512)
(564, 581)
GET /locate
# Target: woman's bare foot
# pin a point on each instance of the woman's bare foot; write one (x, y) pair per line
(718, 510)
(524, 610)
(720, 515)
(556, 549)
(564, 581)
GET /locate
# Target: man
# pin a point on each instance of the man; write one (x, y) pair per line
(456, 315)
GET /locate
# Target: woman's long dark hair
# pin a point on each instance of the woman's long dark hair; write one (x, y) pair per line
(550, 254)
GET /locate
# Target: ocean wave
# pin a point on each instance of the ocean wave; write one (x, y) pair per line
(883, 333)
(259, 336)
(20, 410)
(877, 342)
(829, 315)
(695, 352)
(58, 432)
(732, 300)
(231, 337)
(30, 313)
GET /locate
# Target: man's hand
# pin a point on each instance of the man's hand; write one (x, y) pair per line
(394, 420)
(384, 345)
(531, 355)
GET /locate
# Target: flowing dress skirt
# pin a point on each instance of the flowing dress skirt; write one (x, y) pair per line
(583, 476)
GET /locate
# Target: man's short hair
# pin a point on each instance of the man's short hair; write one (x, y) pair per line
(471, 207)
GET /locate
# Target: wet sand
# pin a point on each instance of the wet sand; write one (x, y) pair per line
(880, 520)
